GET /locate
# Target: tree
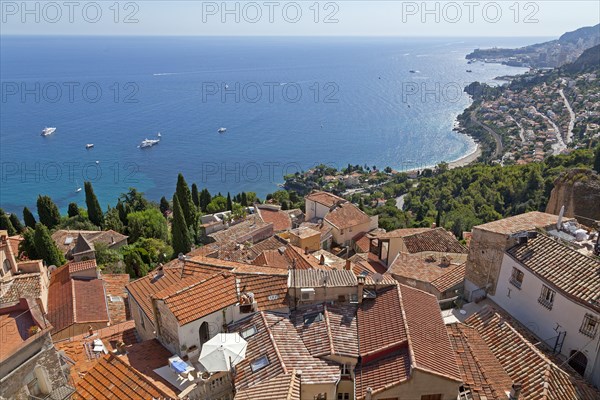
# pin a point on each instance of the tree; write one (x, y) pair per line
(28, 218)
(229, 203)
(164, 205)
(73, 210)
(597, 159)
(149, 223)
(48, 212)
(27, 245)
(45, 247)
(217, 204)
(205, 199)
(16, 222)
(122, 209)
(244, 199)
(93, 205)
(109, 260)
(113, 221)
(133, 201)
(157, 250)
(195, 195)
(134, 265)
(185, 201)
(77, 223)
(5, 223)
(182, 240)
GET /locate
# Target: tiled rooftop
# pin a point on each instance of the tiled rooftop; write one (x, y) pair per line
(107, 237)
(347, 215)
(452, 277)
(540, 377)
(576, 275)
(427, 335)
(280, 219)
(399, 233)
(420, 268)
(20, 286)
(281, 387)
(270, 291)
(79, 266)
(272, 258)
(523, 222)
(307, 278)
(438, 239)
(111, 378)
(116, 296)
(144, 288)
(383, 373)
(480, 370)
(303, 261)
(325, 198)
(14, 330)
(334, 334)
(75, 300)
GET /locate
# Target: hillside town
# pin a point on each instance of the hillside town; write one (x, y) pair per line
(311, 304)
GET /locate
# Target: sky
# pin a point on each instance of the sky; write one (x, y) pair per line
(549, 18)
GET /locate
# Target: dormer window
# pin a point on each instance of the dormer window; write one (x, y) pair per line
(309, 319)
(246, 333)
(259, 363)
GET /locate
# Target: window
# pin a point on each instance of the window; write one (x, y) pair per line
(142, 318)
(589, 325)
(6, 266)
(343, 396)
(259, 363)
(516, 277)
(546, 297)
(246, 333)
(309, 319)
(345, 370)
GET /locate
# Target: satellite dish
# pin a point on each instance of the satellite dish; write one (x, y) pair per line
(51, 269)
(377, 277)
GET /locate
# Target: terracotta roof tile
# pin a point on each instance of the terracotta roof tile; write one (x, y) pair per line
(334, 334)
(107, 237)
(346, 215)
(383, 373)
(20, 286)
(90, 301)
(111, 378)
(272, 258)
(81, 266)
(77, 347)
(438, 239)
(420, 268)
(281, 387)
(427, 335)
(574, 274)
(362, 242)
(306, 278)
(200, 297)
(303, 261)
(480, 370)
(325, 198)
(523, 222)
(280, 219)
(270, 291)
(540, 377)
(399, 233)
(116, 294)
(452, 277)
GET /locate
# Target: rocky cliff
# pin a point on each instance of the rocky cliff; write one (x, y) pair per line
(579, 191)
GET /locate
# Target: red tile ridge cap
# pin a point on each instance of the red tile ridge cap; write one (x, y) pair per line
(329, 337)
(374, 354)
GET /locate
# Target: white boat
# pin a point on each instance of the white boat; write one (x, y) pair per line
(89, 145)
(148, 143)
(78, 190)
(222, 130)
(48, 131)
(158, 134)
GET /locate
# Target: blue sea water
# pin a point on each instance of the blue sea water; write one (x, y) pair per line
(291, 103)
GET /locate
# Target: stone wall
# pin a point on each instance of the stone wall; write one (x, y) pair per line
(579, 191)
(484, 261)
(168, 327)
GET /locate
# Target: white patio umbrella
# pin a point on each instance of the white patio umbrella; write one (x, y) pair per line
(222, 352)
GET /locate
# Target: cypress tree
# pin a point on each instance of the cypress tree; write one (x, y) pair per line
(5, 223)
(182, 241)
(45, 247)
(164, 205)
(73, 210)
(229, 202)
(28, 218)
(27, 245)
(16, 223)
(93, 205)
(597, 160)
(244, 199)
(195, 195)
(205, 199)
(185, 201)
(48, 212)
(122, 209)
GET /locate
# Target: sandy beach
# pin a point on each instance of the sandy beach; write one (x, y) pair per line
(466, 160)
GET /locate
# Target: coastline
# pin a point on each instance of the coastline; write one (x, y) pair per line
(467, 159)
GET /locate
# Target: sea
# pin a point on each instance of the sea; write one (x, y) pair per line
(287, 104)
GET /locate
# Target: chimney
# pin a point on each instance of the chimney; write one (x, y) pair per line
(515, 391)
(361, 287)
(348, 266)
(322, 260)
(433, 225)
(368, 394)
(90, 330)
(306, 250)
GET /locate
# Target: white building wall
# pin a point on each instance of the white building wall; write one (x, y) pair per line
(523, 305)
(315, 210)
(189, 334)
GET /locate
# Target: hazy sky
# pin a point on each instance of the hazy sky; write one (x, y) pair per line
(340, 18)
